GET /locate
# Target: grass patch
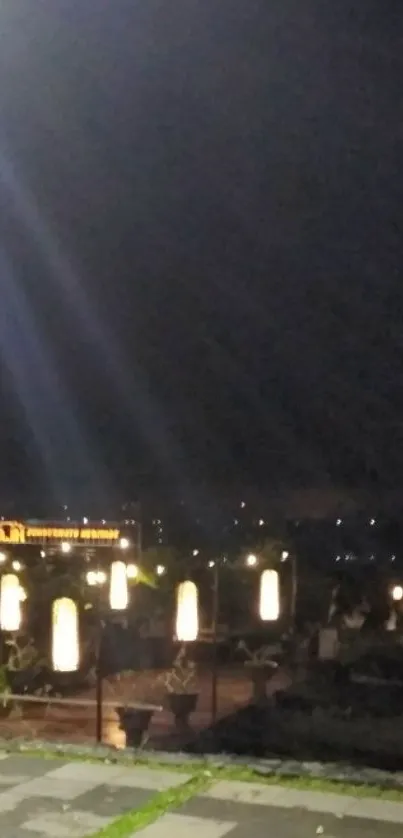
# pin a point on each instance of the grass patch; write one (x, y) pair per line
(127, 761)
(205, 772)
(248, 775)
(165, 801)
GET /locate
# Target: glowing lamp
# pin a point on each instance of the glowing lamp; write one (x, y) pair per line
(132, 571)
(397, 593)
(10, 602)
(65, 637)
(118, 593)
(187, 612)
(269, 605)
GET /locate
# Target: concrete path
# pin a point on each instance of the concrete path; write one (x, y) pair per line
(58, 799)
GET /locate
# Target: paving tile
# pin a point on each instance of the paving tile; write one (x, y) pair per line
(112, 801)
(256, 793)
(29, 767)
(182, 826)
(263, 821)
(73, 824)
(380, 810)
(314, 801)
(149, 778)
(88, 772)
(47, 786)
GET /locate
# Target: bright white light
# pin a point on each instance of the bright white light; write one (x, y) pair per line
(285, 555)
(195, 552)
(43, 554)
(243, 504)
(372, 522)
(91, 578)
(251, 560)
(23, 595)
(211, 564)
(132, 571)
(338, 522)
(66, 547)
(3, 558)
(65, 638)
(101, 577)
(16, 565)
(124, 543)
(397, 593)
(85, 521)
(160, 569)
(261, 522)
(118, 594)
(10, 603)
(269, 595)
(187, 612)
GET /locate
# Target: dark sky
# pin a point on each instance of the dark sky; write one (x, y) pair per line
(201, 243)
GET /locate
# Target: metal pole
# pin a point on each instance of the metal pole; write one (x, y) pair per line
(294, 587)
(99, 679)
(214, 664)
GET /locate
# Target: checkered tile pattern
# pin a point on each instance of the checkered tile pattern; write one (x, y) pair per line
(57, 799)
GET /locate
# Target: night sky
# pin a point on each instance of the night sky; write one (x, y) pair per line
(201, 244)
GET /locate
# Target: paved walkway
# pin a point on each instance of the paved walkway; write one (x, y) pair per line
(59, 799)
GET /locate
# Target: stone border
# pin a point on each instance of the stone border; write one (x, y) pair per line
(333, 772)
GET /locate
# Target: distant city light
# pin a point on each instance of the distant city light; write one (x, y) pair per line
(124, 543)
(91, 577)
(285, 555)
(243, 504)
(339, 522)
(251, 560)
(66, 547)
(236, 522)
(101, 577)
(160, 569)
(43, 554)
(132, 571)
(196, 552)
(372, 522)
(261, 522)
(211, 564)
(16, 565)
(85, 521)
(3, 558)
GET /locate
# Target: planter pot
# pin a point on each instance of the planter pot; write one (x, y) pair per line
(260, 674)
(134, 723)
(5, 710)
(181, 706)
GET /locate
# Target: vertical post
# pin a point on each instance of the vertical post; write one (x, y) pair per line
(294, 587)
(214, 663)
(99, 674)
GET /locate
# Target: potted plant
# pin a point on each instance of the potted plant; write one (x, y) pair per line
(5, 703)
(134, 719)
(261, 667)
(26, 675)
(181, 695)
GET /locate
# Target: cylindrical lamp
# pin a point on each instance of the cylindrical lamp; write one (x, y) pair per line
(187, 612)
(10, 602)
(269, 605)
(118, 593)
(65, 636)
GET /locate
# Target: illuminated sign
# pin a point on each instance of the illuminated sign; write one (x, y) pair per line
(15, 532)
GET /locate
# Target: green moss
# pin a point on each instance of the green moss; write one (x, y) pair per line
(304, 783)
(164, 802)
